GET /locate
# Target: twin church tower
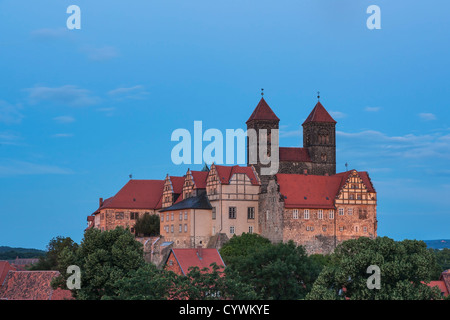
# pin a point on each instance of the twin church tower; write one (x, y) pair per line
(318, 155)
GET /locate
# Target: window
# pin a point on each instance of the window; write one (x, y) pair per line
(171, 216)
(309, 228)
(134, 215)
(365, 229)
(356, 229)
(171, 228)
(320, 214)
(341, 211)
(185, 215)
(214, 213)
(324, 228)
(250, 229)
(341, 228)
(119, 215)
(232, 213)
(180, 228)
(350, 211)
(295, 214)
(331, 214)
(306, 214)
(232, 229)
(359, 197)
(167, 216)
(185, 228)
(251, 213)
(352, 196)
(181, 216)
(162, 217)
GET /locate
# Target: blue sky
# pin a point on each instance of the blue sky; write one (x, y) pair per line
(80, 110)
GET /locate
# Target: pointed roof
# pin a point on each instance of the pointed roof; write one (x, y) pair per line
(263, 112)
(319, 114)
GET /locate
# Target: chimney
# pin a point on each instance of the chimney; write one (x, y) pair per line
(100, 202)
(200, 252)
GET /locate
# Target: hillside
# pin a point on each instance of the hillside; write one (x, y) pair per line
(438, 244)
(9, 253)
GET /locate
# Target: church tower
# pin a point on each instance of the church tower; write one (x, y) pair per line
(262, 118)
(319, 138)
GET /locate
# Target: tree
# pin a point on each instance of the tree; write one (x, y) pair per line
(403, 266)
(103, 257)
(212, 284)
(145, 283)
(240, 246)
(276, 271)
(50, 260)
(147, 225)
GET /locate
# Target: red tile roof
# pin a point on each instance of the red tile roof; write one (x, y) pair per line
(177, 184)
(31, 285)
(136, 194)
(200, 178)
(294, 154)
(263, 112)
(4, 268)
(319, 114)
(362, 174)
(441, 285)
(312, 191)
(226, 173)
(308, 191)
(189, 258)
(445, 276)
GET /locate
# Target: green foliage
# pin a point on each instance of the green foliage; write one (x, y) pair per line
(145, 283)
(212, 284)
(147, 225)
(9, 253)
(50, 260)
(276, 271)
(103, 258)
(404, 265)
(240, 246)
(443, 258)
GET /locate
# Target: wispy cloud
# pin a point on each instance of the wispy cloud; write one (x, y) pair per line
(64, 119)
(50, 33)
(372, 109)
(68, 95)
(8, 138)
(16, 167)
(137, 92)
(427, 116)
(337, 114)
(9, 113)
(100, 53)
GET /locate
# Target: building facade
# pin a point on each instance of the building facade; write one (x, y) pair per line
(306, 201)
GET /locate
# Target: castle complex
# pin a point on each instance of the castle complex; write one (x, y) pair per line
(306, 201)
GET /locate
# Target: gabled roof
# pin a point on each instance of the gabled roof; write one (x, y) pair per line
(31, 285)
(294, 154)
(319, 114)
(312, 191)
(308, 191)
(441, 285)
(362, 174)
(177, 184)
(198, 202)
(200, 178)
(187, 258)
(263, 112)
(226, 173)
(4, 268)
(136, 194)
